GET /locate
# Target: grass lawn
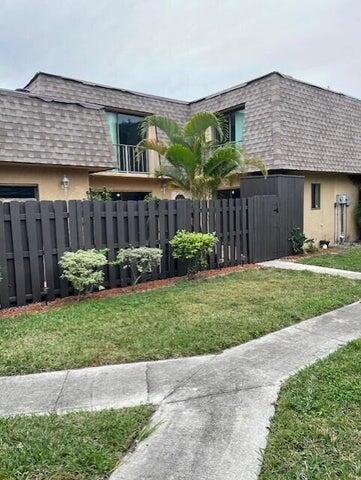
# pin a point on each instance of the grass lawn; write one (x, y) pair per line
(316, 432)
(350, 259)
(75, 446)
(185, 319)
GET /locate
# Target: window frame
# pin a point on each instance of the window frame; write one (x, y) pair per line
(315, 195)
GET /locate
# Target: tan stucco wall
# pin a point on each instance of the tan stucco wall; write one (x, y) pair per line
(47, 179)
(320, 224)
(126, 183)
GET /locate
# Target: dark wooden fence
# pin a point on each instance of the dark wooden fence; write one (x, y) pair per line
(34, 235)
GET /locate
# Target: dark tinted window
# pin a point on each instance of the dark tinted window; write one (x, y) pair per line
(128, 129)
(315, 195)
(18, 191)
(129, 195)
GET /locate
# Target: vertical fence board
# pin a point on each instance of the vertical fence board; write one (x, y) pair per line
(87, 228)
(109, 208)
(171, 233)
(132, 205)
(219, 232)
(60, 210)
(31, 209)
(196, 216)
(212, 229)
(231, 231)
(49, 275)
(121, 236)
(204, 214)
(245, 229)
(162, 236)
(73, 226)
(237, 230)
(4, 284)
(18, 253)
(97, 223)
(225, 230)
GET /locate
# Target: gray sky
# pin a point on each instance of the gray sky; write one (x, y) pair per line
(182, 48)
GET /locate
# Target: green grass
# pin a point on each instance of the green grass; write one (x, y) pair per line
(75, 446)
(350, 259)
(316, 432)
(185, 319)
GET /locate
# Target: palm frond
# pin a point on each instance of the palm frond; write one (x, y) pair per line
(223, 160)
(199, 123)
(165, 124)
(149, 144)
(246, 162)
(178, 178)
(182, 157)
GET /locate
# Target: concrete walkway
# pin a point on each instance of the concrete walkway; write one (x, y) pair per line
(213, 412)
(284, 264)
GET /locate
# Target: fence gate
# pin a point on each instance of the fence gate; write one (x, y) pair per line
(264, 228)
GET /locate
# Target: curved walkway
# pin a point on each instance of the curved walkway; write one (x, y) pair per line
(214, 410)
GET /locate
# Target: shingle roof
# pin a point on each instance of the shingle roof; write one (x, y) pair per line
(39, 129)
(289, 124)
(109, 97)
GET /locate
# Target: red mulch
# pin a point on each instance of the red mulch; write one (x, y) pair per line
(142, 287)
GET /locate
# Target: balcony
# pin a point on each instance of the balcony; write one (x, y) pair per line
(131, 161)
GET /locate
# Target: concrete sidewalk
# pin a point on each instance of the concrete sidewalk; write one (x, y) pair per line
(214, 410)
(214, 425)
(284, 264)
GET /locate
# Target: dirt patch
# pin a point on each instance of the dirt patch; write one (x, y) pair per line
(328, 251)
(142, 287)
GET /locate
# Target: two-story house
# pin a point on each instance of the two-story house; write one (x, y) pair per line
(60, 136)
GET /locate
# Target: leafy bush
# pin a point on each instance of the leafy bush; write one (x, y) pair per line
(139, 260)
(298, 240)
(104, 194)
(151, 198)
(357, 217)
(83, 269)
(194, 248)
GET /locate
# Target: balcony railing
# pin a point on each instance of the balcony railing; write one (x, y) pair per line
(131, 161)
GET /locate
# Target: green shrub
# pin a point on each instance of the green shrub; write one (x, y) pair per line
(151, 198)
(194, 248)
(357, 217)
(83, 269)
(104, 194)
(297, 239)
(139, 260)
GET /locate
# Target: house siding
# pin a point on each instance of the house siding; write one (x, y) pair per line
(319, 224)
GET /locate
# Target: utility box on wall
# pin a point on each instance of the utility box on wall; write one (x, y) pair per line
(289, 190)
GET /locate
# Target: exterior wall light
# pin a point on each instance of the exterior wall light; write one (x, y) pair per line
(65, 183)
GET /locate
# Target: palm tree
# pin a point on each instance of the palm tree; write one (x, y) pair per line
(193, 162)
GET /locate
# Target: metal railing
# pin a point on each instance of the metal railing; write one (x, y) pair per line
(130, 160)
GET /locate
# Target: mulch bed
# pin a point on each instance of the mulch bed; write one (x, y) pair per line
(142, 287)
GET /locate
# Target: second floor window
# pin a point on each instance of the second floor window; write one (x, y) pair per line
(234, 121)
(125, 135)
(235, 124)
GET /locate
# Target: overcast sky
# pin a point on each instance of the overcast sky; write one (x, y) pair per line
(182, 48)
